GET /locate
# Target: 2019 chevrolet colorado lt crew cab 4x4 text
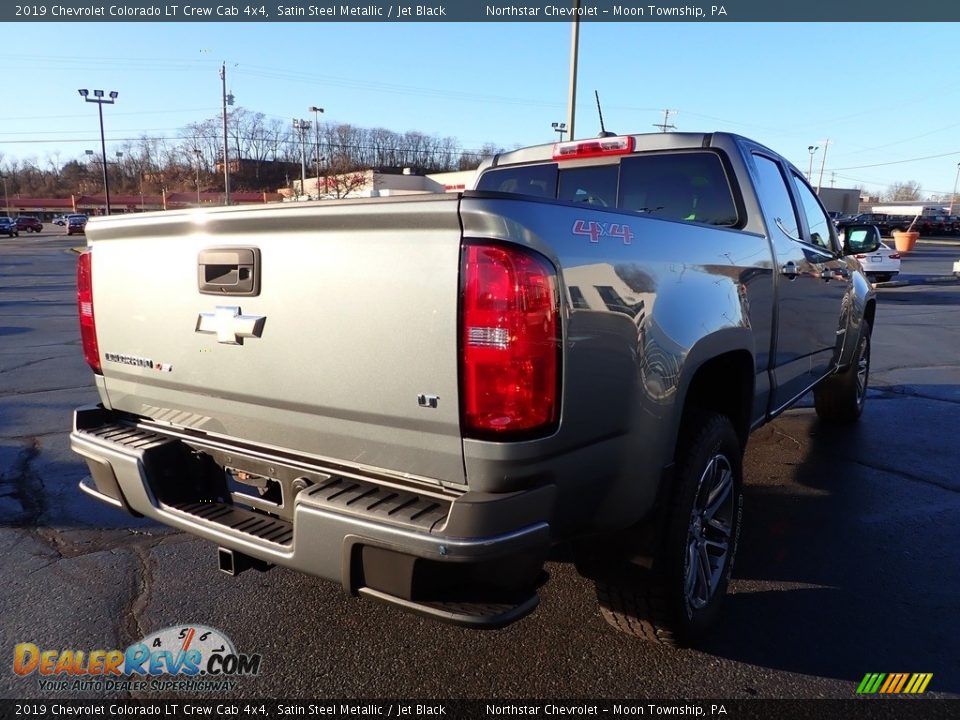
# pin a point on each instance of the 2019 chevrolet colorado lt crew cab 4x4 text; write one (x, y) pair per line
(420, 397)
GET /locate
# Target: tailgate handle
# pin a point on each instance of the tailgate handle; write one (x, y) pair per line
(229, 271)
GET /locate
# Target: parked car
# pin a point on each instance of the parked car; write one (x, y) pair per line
(60, 220)
(8, 226)
(76, 224)
(880, 265)
(29, 223)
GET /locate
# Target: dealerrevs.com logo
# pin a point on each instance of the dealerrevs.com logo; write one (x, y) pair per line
(183, 658)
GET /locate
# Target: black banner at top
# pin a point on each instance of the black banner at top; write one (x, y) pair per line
(853, 11)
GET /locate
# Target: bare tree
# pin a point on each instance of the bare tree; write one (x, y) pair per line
(909, 190)
(341, 178)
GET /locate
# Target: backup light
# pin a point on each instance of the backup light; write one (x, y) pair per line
(510, 342)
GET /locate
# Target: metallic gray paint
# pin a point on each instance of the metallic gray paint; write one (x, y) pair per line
(378, 284)
(361, 307)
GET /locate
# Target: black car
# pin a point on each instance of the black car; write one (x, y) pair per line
(76, 224)
(8, 226)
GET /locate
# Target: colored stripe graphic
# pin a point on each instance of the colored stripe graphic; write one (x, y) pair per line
(870, 683)
(894, 683)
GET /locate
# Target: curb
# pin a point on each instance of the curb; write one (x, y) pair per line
(924, 280)
(939, 241)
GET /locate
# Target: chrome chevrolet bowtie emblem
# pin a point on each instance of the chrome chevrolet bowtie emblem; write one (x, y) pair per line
(229, 325)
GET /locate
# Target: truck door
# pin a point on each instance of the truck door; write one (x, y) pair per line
(806, 318)
(829, 303)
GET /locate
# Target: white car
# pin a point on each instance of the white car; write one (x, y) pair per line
(882, 264)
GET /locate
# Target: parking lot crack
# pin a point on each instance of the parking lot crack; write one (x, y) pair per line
(26, 485)
(894, 391)
(908, 476)
(131, 620)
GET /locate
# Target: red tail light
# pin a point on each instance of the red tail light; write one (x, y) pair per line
(510, 342)
(894, 256)
(88, 326)
(860, 256)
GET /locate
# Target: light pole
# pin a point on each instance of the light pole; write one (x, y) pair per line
(316, 136)
(574, 51)
(953, 197)
(812, 149)
(560, 128)
(301, 126)
(6, 199)
(100, 100)
(823, 164)
(199, 155)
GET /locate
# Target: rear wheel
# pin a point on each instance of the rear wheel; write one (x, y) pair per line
(841, 397)
(679, 600)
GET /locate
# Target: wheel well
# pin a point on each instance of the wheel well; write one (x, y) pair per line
(724, 384)
(870, 312)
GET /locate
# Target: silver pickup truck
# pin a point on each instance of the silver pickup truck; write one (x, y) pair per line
(422, 397)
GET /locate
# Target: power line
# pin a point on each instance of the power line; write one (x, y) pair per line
(900, 162)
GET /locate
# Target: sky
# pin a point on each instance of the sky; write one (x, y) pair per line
(886, 95)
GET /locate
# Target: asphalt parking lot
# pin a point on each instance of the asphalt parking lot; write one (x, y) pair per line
(848, 560)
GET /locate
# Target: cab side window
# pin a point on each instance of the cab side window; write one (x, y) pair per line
(775, 197)
(819, 223)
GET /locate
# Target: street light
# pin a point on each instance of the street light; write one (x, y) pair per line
(560, 128)
(316, 134)
(812, 149)
(100, 100)
(301, 126)
(953, 197)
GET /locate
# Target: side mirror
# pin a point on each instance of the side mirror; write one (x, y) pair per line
(858, 239)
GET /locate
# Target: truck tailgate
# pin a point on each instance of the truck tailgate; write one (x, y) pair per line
(348, 352)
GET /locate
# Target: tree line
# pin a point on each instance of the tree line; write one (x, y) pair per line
(265, 154)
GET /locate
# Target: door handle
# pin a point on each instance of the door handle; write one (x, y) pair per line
(229, 271)
(789, 269)
(834, 273)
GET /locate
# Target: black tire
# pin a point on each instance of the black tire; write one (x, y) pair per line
(673, 603)
(841, 397)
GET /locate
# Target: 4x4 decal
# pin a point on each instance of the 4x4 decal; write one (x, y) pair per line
(596, 230)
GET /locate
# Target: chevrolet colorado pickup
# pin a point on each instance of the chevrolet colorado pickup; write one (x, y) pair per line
(421, 397)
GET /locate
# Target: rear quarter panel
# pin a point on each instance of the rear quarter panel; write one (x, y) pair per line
(687, 293)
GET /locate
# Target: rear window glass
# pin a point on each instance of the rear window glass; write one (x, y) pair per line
(535, 180)
(678, 186)
(690, 186)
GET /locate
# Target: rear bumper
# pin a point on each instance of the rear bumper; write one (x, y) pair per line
(469, 559)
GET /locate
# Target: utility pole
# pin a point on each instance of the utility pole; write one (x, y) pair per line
(823, 162)
(199, 155)
(574, 48)
(227, 99)
(833, 177)
(953, 197)
(316, 136)
(665, 125)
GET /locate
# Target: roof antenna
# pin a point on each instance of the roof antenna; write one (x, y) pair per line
(603, 131)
